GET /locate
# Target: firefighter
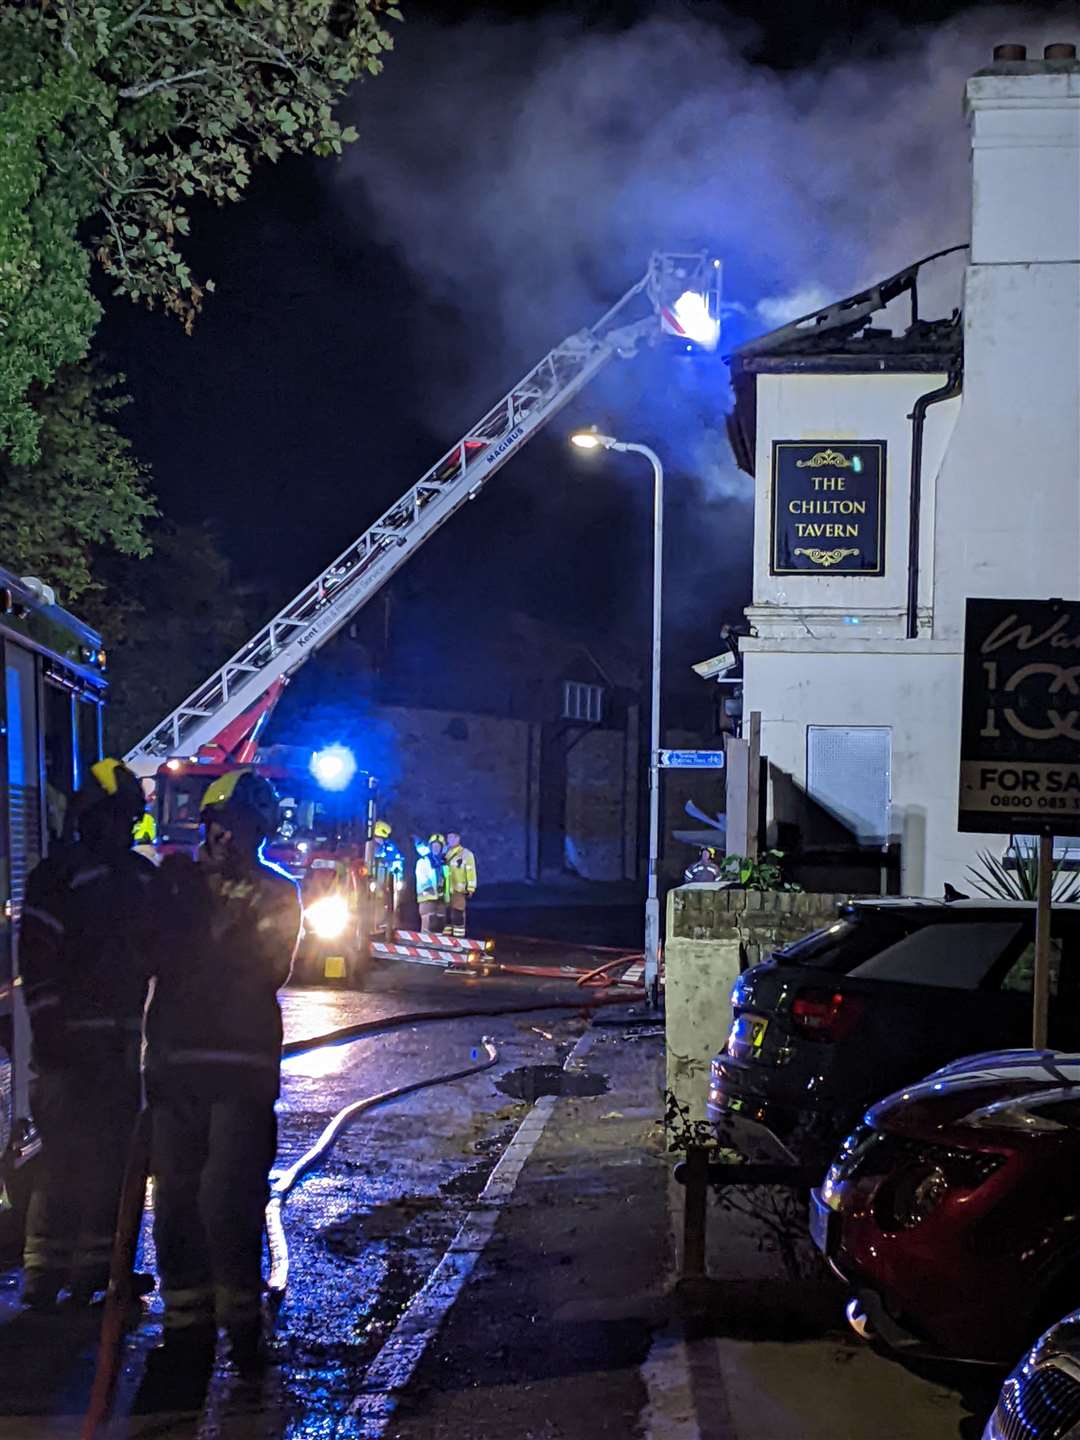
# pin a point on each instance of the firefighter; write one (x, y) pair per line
(212, 1066)
(86, 951)
(705, 870)
(462, 866)
(389, 868)
(432, 882)
(144, 834)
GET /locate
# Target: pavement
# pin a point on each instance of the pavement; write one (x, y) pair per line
(496, 1258)
(573, 1326)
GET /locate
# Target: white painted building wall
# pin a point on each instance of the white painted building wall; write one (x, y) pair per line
(1001, 484)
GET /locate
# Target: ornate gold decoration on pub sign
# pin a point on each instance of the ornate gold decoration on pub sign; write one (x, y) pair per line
(828, 507)
(826, 557)
(825, 457)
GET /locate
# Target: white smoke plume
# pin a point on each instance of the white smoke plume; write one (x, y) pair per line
(531, 166)
(525, 169)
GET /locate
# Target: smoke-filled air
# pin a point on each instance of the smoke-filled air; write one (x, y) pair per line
(525, 170)
(531, 166)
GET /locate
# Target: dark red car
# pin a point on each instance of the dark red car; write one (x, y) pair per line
(953, 1212)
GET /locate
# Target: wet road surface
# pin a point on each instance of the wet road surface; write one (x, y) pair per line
(365, 1228)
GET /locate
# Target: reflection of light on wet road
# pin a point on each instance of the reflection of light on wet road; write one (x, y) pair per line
(327, 1060)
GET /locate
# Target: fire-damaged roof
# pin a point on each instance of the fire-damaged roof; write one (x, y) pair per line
(839, 339)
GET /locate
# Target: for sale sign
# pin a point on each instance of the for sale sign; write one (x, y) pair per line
(1020, 730)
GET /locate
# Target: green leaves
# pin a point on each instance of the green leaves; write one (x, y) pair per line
(115, 113)
(762, 874)
(1020, 879)
(85, 491)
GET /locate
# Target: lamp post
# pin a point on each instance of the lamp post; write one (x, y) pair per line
(591, 440)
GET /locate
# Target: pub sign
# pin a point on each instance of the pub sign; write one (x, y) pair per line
(828, 507)
(1020, 723)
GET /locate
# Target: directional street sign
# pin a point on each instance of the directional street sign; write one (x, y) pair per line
(691, 759)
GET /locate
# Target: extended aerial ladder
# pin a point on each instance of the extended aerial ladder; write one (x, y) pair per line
(680, 297)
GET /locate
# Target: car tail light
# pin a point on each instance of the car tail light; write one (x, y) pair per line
(825, 1015)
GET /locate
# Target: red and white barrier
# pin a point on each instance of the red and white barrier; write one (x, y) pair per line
(435, 939)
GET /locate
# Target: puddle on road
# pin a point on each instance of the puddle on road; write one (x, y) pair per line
(530, 1082)
(349, 1237)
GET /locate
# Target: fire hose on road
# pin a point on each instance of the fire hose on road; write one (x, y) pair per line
(119, 1295)
(275, 1230)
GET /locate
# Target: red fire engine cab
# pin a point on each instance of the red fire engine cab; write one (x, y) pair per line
(324, 839)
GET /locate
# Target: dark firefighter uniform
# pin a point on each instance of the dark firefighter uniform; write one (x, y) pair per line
(86, 951)
(212, 1067)
(704, 870)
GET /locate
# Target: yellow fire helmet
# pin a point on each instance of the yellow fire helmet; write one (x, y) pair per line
(383, 830)
(111, 780)
(436, 840)
(241, 792)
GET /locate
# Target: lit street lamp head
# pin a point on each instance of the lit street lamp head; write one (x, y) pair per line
(590, 440)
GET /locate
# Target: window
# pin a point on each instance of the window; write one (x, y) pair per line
(957, 955)
(849, 773)
(582, 702)
(841, 946)
(1021, 973)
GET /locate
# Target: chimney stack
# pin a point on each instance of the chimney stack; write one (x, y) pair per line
(1025, 139)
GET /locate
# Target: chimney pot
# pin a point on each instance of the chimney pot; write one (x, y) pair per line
(1010, 52)
(1060, 51)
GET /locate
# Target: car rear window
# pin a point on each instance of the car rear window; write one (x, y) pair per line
(845, 943)
(956, 955)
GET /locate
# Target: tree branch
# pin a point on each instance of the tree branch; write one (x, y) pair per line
(132, 19)
(137, 92)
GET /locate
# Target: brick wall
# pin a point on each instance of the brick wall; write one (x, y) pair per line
(480, 774)
(469, 773)
(712, 935)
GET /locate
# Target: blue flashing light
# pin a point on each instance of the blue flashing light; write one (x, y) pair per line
(852, 620)
(334, 767)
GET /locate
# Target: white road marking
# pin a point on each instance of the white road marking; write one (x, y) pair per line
(395, 1364)
(671, 1413)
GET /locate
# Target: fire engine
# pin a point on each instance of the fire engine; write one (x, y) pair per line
(219, 724)
(50, 734)
(324, 837)
(677, 299)
(54, 691)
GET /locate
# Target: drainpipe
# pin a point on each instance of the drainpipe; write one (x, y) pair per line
(952, 387)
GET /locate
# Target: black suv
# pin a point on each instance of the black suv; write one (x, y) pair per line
(890, 991)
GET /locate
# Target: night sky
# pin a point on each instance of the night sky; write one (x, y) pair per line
(330, 368)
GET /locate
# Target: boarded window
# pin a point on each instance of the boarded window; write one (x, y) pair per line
(849, 773)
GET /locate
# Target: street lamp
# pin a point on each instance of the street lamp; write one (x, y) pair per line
(592, 440)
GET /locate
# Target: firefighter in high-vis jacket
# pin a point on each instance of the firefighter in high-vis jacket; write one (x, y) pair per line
(432, 882)
(461, 864)
(86, 951)
(704, 870)
(212, 1068)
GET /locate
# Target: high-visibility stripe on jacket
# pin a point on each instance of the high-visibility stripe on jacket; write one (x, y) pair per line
(432, 880)
(462, 864)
